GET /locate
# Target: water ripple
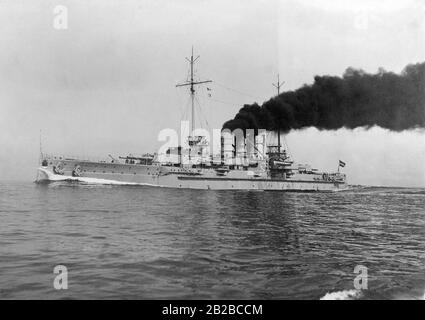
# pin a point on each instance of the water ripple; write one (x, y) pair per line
(142, 242)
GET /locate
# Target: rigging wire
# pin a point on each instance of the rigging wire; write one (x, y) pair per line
(184, 115)
(183, 107)
(237, 91)
(201, 112)
(220, 101)
(200, 126)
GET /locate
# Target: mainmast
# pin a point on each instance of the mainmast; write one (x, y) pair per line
(192, 84)
(277, 86)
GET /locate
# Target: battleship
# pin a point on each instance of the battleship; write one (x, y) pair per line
(254, 160)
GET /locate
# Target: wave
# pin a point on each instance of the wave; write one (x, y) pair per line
(342, 295)
(386, 190)
(47, 177)
(357, 294)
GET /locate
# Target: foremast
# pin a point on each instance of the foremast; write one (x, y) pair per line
(192, 83)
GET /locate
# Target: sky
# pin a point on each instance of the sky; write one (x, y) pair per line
(106, 83)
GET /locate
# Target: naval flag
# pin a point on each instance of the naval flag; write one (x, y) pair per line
(341, 164)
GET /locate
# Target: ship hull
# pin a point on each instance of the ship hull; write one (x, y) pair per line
(176, 177)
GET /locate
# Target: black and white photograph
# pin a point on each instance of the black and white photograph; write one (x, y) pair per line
(226, 152)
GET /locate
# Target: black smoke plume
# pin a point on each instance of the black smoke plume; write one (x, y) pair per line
(358, 99)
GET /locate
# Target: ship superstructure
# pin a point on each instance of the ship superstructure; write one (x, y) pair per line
(247, 160)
